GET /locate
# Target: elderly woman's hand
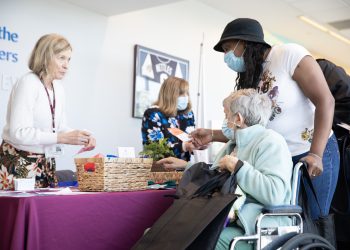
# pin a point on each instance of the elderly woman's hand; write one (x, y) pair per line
(228, 162)
(314, 164)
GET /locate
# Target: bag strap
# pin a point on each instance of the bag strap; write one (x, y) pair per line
(345, 155)
(344, 175)
(306, 177)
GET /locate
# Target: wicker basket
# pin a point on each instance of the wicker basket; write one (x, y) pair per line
(119, 174)
(161, 177)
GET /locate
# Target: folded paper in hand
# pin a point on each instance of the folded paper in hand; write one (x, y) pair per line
(183, 136)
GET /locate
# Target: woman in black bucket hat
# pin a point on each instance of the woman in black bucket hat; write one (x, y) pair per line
(247, 34)
(302, 108)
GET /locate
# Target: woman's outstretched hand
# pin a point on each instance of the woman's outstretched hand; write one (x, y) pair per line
(201, 137)
(172, 163)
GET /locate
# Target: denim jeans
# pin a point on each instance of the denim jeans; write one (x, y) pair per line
(326, 183)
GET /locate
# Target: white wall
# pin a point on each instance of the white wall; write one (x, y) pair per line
(175, 29)
(84, 29)
(99, 85)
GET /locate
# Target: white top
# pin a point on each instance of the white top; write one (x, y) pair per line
(293, 113)
(28, 120)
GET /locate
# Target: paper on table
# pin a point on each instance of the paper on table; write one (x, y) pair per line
(183, 136)
(64, 191)
(156, 186)
(15, 194)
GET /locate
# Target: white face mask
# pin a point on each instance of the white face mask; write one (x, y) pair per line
(182, 102)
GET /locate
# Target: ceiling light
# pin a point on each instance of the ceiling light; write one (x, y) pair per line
(313, 23)
(336, 35)
(324, 29)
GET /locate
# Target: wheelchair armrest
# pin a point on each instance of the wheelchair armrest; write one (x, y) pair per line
(282, 209)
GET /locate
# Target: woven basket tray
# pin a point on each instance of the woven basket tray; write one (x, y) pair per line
(120, 174)
(161, 177)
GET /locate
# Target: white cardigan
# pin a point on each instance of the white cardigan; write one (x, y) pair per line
(28, 120)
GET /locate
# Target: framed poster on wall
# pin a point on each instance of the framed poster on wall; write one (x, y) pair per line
(152, 67)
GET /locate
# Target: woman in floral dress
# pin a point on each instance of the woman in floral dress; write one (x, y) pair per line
(171, 110)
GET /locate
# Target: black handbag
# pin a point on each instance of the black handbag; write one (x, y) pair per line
(197, 216)
(324, 225)
(341, 199)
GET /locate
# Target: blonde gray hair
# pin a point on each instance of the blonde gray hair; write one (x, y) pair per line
(254, 107)
(44, 50)
(170, 90)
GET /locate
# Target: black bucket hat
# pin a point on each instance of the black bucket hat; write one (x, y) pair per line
(242, 29)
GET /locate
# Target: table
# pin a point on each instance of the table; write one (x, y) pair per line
(109, 220)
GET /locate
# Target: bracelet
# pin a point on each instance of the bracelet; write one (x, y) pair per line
(212, 135)
(315, 155)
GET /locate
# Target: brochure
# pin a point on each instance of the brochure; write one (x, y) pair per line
(183, 136)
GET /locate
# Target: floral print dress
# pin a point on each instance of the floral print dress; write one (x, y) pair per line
(155, 126)
(21, 164)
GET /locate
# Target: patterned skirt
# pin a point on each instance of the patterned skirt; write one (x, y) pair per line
(22, 164)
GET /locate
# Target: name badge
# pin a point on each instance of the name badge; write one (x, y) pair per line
(54, 151)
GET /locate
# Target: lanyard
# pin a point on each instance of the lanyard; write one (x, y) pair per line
(52, 106)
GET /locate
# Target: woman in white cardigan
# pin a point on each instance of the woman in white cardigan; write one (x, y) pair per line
(35, 122)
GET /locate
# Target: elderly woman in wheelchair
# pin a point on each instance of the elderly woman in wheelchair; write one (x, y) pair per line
(266, 215)
(259, 158)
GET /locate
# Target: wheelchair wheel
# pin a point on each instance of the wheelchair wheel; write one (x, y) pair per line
(316, 245)
(307, 241)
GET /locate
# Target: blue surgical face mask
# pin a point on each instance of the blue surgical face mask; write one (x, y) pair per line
(182, 102)
(228, 132)
(233, 62)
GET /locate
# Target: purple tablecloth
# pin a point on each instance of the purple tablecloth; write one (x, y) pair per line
(86, 221)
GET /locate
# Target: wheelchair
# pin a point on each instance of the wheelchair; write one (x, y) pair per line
(284, 237)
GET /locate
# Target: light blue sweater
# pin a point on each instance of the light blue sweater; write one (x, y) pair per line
(266, 174)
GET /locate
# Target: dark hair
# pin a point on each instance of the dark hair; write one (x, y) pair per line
(253, 60)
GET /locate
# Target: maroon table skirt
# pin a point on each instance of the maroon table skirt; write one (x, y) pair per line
(98, 221)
